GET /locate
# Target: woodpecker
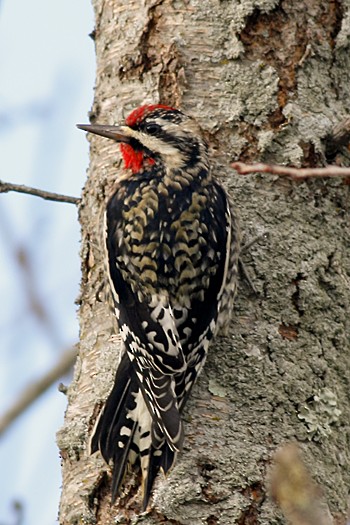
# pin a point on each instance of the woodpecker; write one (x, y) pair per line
(172, 245)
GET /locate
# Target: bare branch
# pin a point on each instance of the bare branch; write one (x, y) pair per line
(33, 391)
(5, 187)
(295, 492)
(293, 173)
(31, 289)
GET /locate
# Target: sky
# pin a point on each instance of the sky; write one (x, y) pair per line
(47, 68)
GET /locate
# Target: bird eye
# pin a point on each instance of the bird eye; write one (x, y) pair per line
(152, 128)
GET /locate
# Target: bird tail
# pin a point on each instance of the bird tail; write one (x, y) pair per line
(127, 434)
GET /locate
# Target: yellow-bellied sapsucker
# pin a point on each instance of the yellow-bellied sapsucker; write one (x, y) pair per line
(173, 242)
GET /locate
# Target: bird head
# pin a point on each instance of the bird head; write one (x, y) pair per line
(156, 134)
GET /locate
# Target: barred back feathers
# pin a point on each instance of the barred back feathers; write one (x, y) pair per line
(172, 242)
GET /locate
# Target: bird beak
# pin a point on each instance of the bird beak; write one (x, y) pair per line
(117, 133)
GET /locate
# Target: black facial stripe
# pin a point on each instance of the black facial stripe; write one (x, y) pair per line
(138, 146)
(189, 147)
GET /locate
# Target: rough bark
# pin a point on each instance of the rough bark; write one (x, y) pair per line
(267, 80)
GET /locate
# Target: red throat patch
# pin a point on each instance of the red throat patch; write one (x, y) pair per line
(134, 160)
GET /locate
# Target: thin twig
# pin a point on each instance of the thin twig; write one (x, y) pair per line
(31, 289)
(293, 173)
(246, 276)
(33, 391)
(47, 195)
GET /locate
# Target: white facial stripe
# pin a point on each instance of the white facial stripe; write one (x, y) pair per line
(173, 155)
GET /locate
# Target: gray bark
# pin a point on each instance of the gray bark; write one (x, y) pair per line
(267, 80)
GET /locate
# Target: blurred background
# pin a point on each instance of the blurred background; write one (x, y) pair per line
(47, 75)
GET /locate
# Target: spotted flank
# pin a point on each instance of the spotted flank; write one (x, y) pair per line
(172, 242)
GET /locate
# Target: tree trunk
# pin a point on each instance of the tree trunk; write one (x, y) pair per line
(267, 80)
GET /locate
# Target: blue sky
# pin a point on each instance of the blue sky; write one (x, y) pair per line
(47, 75)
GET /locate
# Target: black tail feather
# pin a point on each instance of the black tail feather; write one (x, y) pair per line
(111, 416)
(114, 433)
(120, 459)
(159, 458)
(125, 433)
